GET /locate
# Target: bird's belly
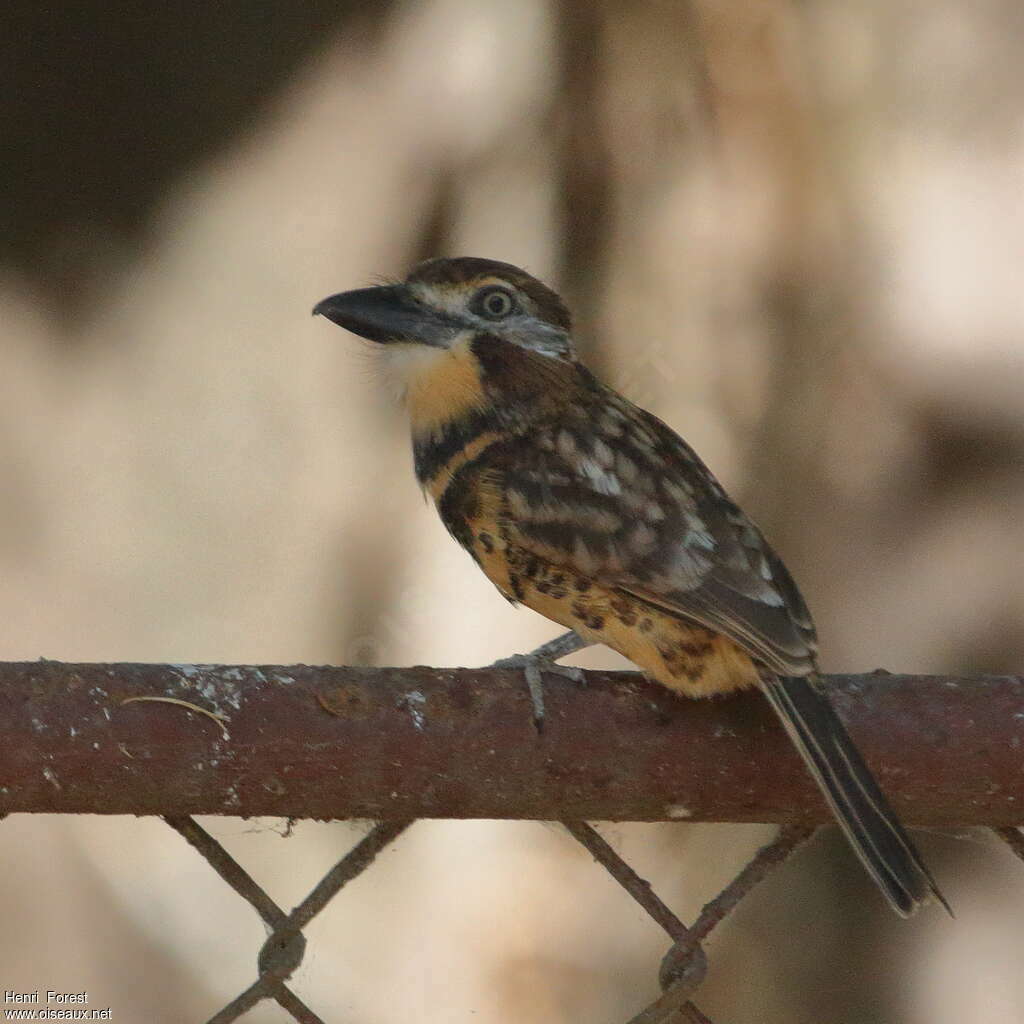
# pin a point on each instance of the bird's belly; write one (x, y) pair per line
(683, 656)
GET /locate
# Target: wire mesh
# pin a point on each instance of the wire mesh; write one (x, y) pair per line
(682, 970)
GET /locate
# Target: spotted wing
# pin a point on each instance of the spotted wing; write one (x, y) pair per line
(612, 493)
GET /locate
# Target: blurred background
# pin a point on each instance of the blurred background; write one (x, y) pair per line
(793, 231)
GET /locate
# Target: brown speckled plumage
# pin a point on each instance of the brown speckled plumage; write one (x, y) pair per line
(577, 481)
(591, 511)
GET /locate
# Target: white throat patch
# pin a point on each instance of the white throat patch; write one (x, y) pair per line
(403, 364)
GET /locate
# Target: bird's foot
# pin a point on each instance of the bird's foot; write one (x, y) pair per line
(542, 660)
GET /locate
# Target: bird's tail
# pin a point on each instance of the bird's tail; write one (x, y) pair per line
(857, 801)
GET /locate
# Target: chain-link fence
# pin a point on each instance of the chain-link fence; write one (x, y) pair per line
(306, 742)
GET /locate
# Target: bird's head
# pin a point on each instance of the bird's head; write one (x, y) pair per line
(443, 300)
(460, 335)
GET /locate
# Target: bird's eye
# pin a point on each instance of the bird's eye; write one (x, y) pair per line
(495, 303)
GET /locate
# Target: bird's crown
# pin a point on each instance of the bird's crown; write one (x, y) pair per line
(490, 288)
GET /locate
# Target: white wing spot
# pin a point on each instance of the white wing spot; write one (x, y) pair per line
(604, 454)
(604, 482)
(697, 533)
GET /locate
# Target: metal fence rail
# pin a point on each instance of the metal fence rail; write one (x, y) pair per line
(399, 744)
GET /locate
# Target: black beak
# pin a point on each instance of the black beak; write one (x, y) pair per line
(386, 314)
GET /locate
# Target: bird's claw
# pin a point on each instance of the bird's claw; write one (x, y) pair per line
(533, 667)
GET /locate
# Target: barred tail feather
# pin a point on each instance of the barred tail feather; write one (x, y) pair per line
(856, 800)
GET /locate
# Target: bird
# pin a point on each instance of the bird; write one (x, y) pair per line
(593, 512)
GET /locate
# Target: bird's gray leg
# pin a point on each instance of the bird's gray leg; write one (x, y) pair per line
(545, 659)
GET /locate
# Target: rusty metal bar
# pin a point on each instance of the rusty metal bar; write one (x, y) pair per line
(297, 741)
